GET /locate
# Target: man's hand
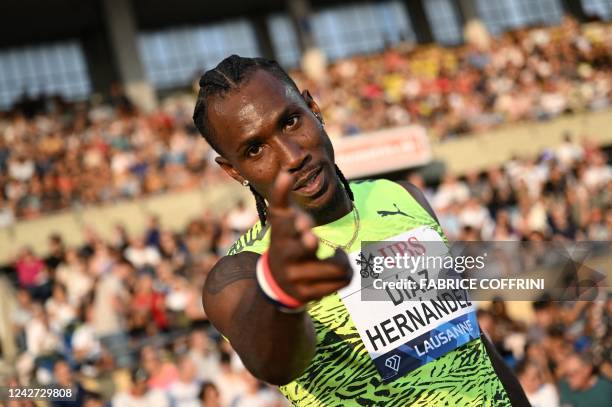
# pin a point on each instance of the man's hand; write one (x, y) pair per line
(274, 346)
(293, 246)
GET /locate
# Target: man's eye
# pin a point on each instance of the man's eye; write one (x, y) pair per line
(254, 150)
(291, 121)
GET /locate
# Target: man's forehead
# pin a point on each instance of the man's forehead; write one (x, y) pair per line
(261, 95)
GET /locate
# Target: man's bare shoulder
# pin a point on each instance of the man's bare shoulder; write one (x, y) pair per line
(230, 269)
(418, 195)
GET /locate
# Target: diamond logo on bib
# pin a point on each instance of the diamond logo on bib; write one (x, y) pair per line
(393, 362)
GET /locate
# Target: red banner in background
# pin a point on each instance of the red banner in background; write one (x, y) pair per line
(382, 151)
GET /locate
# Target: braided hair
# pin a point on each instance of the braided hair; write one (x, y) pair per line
(232, 72)
(228, 75)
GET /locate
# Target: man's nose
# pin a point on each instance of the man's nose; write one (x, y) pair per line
(294, 156)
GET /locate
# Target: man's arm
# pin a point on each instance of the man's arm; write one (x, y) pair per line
(274, 346)
(506, 376)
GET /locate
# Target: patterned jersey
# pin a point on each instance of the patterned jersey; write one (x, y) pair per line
(342, 372)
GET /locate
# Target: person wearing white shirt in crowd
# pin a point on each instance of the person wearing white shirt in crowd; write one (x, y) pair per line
(539, 393)
(450, 191)
(7, 213)
(241, 218)
(184, 391)
(257, 394)
(21, 313)
(110, 300)
(202, 353)
(141, 255)
(476, 216)
(61, 312)
(73, 275)
(21, 168)
(110, 307)
(228, 381)
(139, 395)
(568, 152)
(598, 174)
(41, 340)
(85, 343)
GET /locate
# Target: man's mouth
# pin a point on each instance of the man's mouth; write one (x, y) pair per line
(310, 181)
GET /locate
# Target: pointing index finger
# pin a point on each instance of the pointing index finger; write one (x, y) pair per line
(280, 191)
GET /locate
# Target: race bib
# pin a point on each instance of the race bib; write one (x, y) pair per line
(408, 325)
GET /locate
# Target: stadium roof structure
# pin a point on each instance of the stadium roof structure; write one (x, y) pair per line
(25, 22)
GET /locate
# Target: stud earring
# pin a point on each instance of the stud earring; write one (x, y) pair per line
(245, 183)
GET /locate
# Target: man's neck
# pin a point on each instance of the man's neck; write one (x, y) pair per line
(590, 384)
(338, 206)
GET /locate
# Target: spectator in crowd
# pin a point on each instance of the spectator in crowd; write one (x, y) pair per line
(110, 305)
(229, 382)
(581, 386)
(202, 354)
(184, 391)
(161, 373)
(539, 393)
(209, 395)
(64, 379)
(61, 312)
(72, 273)
(140, 394)
(240, 219)
(56, 251)
(256, 394)
(32, 274)
(21, 315)
(85, 343)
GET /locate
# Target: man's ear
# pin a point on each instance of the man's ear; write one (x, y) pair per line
(312, 104)
(229, 169)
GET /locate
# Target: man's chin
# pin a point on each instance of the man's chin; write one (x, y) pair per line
(325, 199)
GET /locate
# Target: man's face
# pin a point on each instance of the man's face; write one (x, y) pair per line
(578, 374)
(265, 127)
(63, 375)
(530, 379)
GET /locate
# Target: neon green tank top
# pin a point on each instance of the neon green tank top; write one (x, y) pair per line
(342, 373)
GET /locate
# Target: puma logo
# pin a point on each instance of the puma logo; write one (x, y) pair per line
(398, 211)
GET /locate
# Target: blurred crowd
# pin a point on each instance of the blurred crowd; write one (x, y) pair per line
(122, 319)
(524, 75)
(564, 357)
(55, 155)
(59, 156)
(565, 194)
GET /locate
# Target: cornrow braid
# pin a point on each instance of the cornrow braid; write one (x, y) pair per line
(262, 208)
(229, 75)
(345, 183)
(260, 203)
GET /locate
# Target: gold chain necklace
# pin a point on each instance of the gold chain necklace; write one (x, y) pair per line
(353, 238)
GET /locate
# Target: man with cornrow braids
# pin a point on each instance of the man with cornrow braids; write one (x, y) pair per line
(279, 296)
